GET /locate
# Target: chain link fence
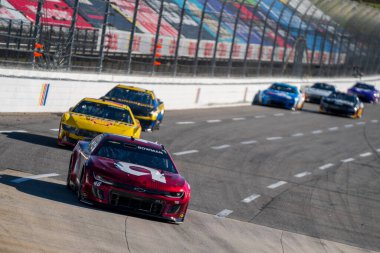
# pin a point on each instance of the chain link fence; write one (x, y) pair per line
(191, 37)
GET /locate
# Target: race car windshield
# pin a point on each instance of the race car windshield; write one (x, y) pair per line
(323, 86)
(285, 88)
(104, 111)
(131, 95)
(364, 86)
(343, 96)
(144, 156)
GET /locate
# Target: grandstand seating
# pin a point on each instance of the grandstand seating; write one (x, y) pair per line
(91, 14)
(56, 12)
(8, 12)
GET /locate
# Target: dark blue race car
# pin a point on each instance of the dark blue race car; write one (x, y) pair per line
(281, 95)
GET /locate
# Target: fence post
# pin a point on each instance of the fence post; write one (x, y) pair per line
(37, 29)
(195, 67)
(249, 39)
(72, 33)
(331, 51)
(179, 38)
(263, 37)
(104, 27)
(157, 35)
(132, 36)
(217, 39)
(234, 37)
(289, 31)
(275, 37)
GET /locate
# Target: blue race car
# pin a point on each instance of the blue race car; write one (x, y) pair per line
(367, 93)
(281, 95)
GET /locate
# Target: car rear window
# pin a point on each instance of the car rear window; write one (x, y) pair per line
(131, 95)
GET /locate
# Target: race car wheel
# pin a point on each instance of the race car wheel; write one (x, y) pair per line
(68, 175)
(256, 99)
(79, 187)
(359, 113)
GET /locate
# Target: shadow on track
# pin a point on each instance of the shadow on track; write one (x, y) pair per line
(37, 139)
(60, 193)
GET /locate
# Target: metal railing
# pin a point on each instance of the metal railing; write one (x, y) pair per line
(201, 38)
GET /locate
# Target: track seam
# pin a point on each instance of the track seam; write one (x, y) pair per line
(125, 235)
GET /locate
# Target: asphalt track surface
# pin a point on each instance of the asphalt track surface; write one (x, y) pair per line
(300, 172)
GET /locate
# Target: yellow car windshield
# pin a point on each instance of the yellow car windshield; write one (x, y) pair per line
(103, 111)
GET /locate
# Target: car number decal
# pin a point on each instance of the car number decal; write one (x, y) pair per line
(128, 168)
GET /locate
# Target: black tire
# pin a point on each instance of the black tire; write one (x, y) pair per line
(68, 174)
(78, 190)
(256, 99)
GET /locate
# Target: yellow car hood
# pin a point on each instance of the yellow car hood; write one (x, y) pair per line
(99, 125)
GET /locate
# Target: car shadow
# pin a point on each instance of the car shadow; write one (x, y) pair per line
(37, 139)
(60, 193)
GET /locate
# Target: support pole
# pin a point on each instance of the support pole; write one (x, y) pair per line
(132, 36)
(178, 42)
(103, 34)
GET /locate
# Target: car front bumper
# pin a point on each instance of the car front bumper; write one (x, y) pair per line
(134, 199)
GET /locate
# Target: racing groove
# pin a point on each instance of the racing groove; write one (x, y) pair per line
(269, 157)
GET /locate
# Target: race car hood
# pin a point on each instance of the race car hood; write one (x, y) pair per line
(99, 125)
(280, 94)
(339, 102)
(317, 92)
(137, 175)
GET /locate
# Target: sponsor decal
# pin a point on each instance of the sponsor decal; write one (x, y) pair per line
(150, 150)
(44, 94)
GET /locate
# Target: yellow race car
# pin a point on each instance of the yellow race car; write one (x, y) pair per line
(91, 117)
(146, 107)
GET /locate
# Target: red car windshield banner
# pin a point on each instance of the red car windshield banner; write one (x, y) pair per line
(55, 12)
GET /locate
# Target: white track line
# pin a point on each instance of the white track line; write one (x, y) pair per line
(302, 174)
(236, 119)
(12, 131)
(348, 160)
(365, 154)
(54, 129)
(186, 152)
(348, 125)
(278, 114)
(185, 122)
(275, 185)
(298, 135)
(274, 138)
(317, 132)
(248, 142)
(221, 147)
(374, 121)
(224, 213)
(251, 198)
(260, 116)
(326, 166)
(333, 128)
(213, 121)
(295, 112)
(23, 179)
(361, 123)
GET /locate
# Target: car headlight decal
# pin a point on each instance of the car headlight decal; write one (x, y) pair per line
(102, 179)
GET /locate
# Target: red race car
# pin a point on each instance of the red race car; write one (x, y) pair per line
(128, 174)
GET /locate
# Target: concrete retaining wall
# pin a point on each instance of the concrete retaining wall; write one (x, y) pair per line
(35, 91)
